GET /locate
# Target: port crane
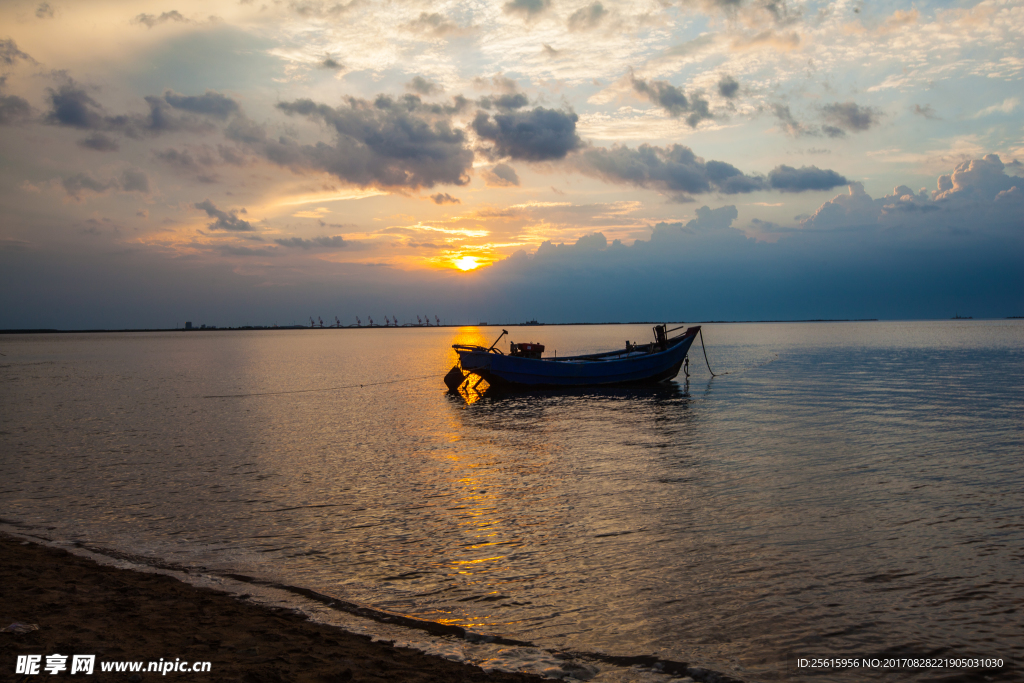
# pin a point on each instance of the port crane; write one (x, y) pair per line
(337, 323)
(438, 320)
(311, 323)
(394, 318)
(370, 319)
(359, 323)
(387, 322)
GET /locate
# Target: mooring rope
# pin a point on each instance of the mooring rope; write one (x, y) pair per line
(701, 333)
(309, 391)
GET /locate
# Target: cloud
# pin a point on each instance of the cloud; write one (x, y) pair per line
(587, 17)
(789, 179)
(501, 175)
(1007, 105)
(134, 180)
(673, 100)
(335, 242)
(151, 20)
(211, 103)
(100, 143)
(388, 142)
(44, 11)
(71, 106)
(728, 86)
(978, 195)
(435, 24)
(506, 102)
(444, 198)
(13, 109)
(424, 87)
(849, 116)
(224, 220)
(536, 135)
(789, 124)
(10, 54)
(75, 184)
(671, 170)
(528, 9)
(498, 82)
(926, 111)
(330, 63)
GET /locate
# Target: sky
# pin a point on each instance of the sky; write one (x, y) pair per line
(257, 162)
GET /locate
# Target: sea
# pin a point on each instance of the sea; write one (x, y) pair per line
(846, 493)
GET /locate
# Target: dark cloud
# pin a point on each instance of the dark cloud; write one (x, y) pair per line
(134, 180)
(72, 106)
(671, 170)
(850, 116)
(75, 184)
(789, 179)
(211, 103)
(587, 17)
(424, 87)
(100, 143)
(388, 142)
(833, 132)
(501, 175)
(10, 54)
(151, 20)
(548, 50)
(224, 220)
(13, 109)
(673, 100)
(728, 86)
(331, 63)
(444, 198)
(526, 8)
(508, 101)
(335, 242)
(536, 135)
(44, 11)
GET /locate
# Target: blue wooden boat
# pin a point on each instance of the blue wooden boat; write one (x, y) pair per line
(524, 365)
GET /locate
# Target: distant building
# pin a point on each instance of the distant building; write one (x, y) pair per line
(188, 326)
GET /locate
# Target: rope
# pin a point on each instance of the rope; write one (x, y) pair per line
(308, 391)
(701, 333)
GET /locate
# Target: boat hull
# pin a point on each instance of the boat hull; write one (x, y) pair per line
(629, 368)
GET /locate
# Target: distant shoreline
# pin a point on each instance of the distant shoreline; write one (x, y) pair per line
(251, 328)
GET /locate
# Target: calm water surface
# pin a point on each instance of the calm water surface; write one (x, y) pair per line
(848, 489)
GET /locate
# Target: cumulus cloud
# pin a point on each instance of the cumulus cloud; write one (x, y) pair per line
(977, 195)
(673, 100)
(528, 9)
(388, 142)
(444, 198)
(501, 175)
(224, 220)
(151, 20)
(211, 103)
(587, 17)
(788, 179)
(536, 135)
(323, 242)
(75, 184)
(329, 62)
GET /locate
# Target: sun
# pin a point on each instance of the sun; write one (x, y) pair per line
(466, 263)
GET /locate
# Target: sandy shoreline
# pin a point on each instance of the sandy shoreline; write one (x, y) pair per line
(85, 608)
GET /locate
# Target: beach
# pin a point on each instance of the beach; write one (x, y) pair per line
(119, 615)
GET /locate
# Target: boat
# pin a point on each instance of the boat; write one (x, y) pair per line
(525, 366)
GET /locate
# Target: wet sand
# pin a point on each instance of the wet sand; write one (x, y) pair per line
(120, 615)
